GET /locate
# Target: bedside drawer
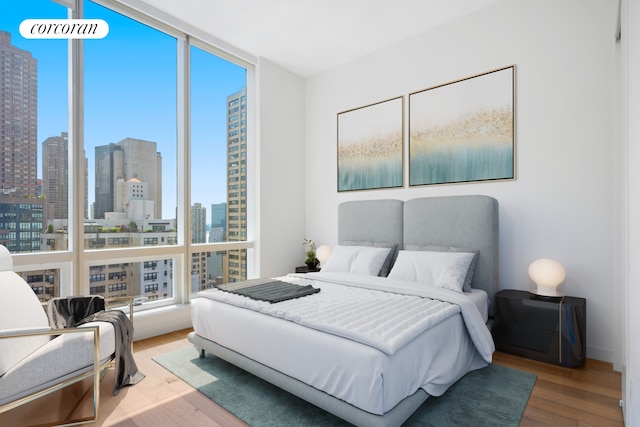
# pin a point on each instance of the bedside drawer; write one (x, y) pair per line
(522, 337)
(551, 330)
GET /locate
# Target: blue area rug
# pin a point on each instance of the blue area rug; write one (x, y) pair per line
(495, 396)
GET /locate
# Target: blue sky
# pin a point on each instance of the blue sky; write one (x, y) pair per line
(130, 91)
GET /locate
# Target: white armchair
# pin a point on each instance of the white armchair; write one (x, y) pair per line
(35, 359)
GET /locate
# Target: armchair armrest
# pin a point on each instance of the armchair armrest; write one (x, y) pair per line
(30, 332)
(21, 331)
(94, 372)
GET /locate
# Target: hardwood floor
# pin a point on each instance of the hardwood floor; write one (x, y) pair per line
(588, 396)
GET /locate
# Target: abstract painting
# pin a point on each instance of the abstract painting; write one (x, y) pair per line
(370, 146)
(463, 131)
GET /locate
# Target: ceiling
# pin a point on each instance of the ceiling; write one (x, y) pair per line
(311, 36)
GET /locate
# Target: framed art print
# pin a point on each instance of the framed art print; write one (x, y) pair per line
(463, 131)
(370, 146)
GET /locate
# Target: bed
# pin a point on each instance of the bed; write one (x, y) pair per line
(362, 348)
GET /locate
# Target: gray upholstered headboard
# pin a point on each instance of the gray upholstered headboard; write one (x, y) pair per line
(460, 221)
(378, 221)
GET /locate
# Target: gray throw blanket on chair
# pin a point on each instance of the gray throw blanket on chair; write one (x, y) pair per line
(75, 311)
(66, 312)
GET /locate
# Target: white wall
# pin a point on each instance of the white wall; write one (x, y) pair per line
(281, 172)
(561, 205)
(631, 138)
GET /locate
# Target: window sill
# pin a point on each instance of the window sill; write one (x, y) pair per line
(161, 320)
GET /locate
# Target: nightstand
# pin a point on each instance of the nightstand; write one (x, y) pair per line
(549, 329)
(307, 269)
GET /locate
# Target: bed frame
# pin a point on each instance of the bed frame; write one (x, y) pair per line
(458, 221)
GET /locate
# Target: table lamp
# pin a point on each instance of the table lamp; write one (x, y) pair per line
(323, 253)
(547, 274)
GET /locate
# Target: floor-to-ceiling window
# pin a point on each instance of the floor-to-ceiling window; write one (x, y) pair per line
(34, 143)
(141, 190)
(131, 140)
(218, 165)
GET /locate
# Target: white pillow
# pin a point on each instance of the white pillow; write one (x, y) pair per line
(441, 269)
(466, 287)
(361, 260)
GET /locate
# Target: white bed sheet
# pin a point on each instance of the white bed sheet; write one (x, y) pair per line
(346, 369)
(481, 299)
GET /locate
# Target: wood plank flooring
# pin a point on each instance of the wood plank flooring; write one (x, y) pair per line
(588, 396)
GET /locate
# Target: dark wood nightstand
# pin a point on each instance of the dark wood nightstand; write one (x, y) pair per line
(549, 329)
(307, 269)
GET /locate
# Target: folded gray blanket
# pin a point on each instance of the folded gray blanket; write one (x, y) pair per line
(270, 290)
(75, 311)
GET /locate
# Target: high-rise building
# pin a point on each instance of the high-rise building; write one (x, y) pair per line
(86, 186)
(132, 201)
(198, 223)
(217, 233)
(44, 283)
(199, 276)
(18, 119)
(21, 208)
(105, 180)
(55, 176)
(21, 222)
(199, 235)
(219, 215)
(129, 158)
(237, 183)
(145, 280)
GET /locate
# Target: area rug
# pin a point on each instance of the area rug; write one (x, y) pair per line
(495, 396)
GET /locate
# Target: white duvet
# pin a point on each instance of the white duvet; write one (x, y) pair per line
(371, 343)
(383, 313)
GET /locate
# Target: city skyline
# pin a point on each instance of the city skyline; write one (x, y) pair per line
(129, 125)
(123, 87)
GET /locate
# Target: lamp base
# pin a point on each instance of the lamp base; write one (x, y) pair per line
(547, 291)
(550, 298)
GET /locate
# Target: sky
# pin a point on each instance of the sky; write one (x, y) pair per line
(130, 91)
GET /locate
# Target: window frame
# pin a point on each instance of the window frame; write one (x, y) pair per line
(75, 263)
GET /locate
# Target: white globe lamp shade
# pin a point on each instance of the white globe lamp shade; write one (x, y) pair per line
(323, 253)
(547, 274)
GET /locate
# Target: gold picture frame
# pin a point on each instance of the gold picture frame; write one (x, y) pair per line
(370, 146)
(463, 131)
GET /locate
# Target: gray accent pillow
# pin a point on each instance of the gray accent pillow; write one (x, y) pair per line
(466, 286)
(388, 263)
